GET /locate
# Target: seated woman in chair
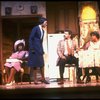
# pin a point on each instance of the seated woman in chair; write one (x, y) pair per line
(93, 44)
(15, 60)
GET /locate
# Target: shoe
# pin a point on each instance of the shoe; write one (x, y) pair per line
(88, 79)
(97, 80)
(45, 81)
(35, 82)
(9, 84)
(61, 82)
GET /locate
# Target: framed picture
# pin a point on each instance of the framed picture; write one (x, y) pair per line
(33, 9)
(8, 10)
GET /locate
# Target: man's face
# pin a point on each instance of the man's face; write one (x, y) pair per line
(67, 35)
(44, 24)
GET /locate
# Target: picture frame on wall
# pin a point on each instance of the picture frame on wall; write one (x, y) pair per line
(8, 10)
(34, 9)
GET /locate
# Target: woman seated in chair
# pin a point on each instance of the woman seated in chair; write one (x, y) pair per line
(93, 44)
(14, 62)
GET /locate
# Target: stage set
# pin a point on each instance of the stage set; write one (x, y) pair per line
(87, 22)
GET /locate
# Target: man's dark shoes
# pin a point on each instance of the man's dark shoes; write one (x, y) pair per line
(45, 81)
(61, 82)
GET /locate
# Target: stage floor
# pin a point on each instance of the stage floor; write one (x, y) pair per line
(68, 90)
(53, 84)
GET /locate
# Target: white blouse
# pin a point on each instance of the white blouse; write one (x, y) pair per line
(94, 45)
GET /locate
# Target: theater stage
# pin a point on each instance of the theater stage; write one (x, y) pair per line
(68, 90)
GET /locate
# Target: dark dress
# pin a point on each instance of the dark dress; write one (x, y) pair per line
(36, 48)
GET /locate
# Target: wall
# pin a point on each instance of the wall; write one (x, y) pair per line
(23, 8)
(62, 15)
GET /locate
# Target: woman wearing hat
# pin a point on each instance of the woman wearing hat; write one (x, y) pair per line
(15, 60)
(36, 60)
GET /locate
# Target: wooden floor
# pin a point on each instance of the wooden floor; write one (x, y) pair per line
(69, 90)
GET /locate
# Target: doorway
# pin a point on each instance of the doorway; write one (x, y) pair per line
(14, 29)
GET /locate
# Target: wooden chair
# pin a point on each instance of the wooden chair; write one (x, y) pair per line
(19, 76)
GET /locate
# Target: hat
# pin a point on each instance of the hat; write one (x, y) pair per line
(19, 42)
(41, 21)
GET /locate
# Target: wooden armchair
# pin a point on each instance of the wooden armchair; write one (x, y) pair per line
(19, 76)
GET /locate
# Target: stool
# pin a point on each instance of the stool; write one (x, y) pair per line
(69, 66)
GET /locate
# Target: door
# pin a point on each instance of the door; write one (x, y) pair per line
(53, 71)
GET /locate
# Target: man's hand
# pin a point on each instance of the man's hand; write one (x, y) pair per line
(63, 57)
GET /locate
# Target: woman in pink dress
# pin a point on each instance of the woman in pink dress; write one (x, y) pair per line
(15, 60)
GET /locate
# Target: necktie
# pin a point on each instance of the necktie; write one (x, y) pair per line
(69, 48)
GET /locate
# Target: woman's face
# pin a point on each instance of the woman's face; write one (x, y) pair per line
(20, 47)
(93, 38)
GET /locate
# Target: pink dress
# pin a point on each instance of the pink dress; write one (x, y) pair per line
(13, 60)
